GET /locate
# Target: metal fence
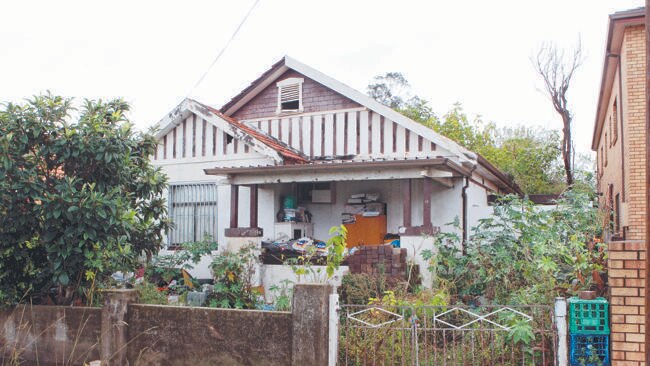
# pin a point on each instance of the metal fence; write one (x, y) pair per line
(446, 335)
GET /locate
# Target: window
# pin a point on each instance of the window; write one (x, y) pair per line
(605, 162)
(614, 122)
(617, 213)
(290, 95)
(193, 211)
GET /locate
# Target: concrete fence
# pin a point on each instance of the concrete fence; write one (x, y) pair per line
(123, 332)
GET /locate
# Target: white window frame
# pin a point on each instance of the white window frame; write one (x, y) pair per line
(285, 83)
(187, 211)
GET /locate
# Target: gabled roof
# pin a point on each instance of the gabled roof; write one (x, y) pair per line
(260, 142)
(617, 24)
(286, 63)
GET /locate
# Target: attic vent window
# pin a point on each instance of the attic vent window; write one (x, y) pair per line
(290, 95)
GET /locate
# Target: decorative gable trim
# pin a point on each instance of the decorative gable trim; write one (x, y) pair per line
(263, 144)
(462, 154)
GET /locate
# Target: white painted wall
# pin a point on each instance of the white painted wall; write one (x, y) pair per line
(275, 274)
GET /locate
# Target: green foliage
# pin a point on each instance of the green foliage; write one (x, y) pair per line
(148, 293)
(521, 254)
(282, 294)
(530, 156)
(78, 201)
(233, 275)
(335, 248)
(169, 266)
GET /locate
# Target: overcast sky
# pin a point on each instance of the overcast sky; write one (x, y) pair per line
(152, 53)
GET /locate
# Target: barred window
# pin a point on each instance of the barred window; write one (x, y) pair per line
(193, 211)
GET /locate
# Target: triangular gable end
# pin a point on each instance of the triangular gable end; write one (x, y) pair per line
(226, 128)
(287, 63)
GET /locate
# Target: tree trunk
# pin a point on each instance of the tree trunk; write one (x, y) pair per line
(567, 152)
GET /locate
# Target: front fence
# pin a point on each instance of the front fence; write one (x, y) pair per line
(449, 335)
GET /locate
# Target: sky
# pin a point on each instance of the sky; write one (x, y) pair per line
(151, 53)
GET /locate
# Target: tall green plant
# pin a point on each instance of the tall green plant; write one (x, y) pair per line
(521, 254)
(78, 200)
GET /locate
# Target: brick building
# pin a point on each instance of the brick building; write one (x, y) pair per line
(619, 142)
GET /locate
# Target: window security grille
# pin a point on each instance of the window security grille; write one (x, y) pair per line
(193, 210)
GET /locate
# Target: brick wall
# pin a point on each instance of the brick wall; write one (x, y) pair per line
(315, 97)
(634, 111)
(627, 281)
(625, 173)
(375, 259)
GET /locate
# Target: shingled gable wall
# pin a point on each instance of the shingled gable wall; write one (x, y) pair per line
(315, 97)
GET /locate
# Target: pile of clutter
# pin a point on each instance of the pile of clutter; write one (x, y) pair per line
(294, 247)
(364, 204)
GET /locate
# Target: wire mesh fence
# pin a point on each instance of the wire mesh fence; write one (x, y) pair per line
(451, 335)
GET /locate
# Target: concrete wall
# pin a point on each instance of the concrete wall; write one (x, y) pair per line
(123, 332)
(273, 275)
(51, 335)
(170, 335)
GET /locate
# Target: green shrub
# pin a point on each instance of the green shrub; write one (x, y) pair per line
(148, 293)
(78, 200)
(233, 274)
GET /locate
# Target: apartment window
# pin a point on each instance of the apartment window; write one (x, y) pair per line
(617, 213)
(605, 161)
(290, 95)
(614, 119)
(602, 157)
(193, 211)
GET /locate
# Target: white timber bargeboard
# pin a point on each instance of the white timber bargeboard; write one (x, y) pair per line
(187, 109)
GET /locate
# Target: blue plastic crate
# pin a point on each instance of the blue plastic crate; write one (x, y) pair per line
(584, 346)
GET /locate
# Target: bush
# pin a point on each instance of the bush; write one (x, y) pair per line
(521, 254)
(148, 293)
(78, 201)
(233, 275)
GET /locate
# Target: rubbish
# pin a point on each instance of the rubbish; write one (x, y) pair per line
(195, 298)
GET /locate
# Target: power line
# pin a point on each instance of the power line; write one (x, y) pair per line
(234, 34)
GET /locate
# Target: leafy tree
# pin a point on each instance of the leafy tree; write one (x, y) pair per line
(529, 156)
(78, 201)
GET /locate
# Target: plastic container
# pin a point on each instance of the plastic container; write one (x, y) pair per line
(289, 202)
(588, 316)
(586, 347)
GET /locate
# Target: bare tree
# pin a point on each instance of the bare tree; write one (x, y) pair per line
(556, 69)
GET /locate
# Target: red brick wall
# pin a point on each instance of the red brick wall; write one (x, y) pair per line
(375, 259)
(625, 172)
(315, 97)
(627, 284)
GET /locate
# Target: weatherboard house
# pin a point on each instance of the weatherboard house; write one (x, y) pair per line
(300, 139)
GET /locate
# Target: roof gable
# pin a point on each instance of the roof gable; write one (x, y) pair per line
(259, 142)
(287, 63)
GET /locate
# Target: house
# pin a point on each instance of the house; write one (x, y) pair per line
(298, 134)
(619, 143)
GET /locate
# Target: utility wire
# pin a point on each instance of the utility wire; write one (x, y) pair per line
(234, 34)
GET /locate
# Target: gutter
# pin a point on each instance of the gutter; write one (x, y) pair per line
(451, 165)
